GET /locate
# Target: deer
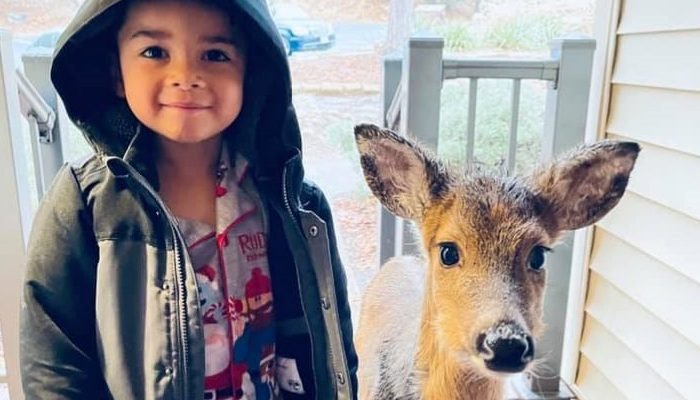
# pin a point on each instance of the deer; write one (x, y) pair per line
(461, 318)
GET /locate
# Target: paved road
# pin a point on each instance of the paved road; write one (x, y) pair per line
(351, 38)
(358, 37)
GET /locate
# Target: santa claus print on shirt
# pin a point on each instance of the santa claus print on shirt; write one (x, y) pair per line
(258, 294)
(256, 344)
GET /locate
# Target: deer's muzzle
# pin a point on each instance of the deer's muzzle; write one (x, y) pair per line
(505, 347)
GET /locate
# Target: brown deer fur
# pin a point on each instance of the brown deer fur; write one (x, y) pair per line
(420, 320)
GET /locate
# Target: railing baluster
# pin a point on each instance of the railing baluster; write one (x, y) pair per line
(514, 115)
(40, 185)
(394, 113)
(391, 84)
(471, 123)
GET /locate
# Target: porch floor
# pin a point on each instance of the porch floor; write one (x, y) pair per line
(520, 390)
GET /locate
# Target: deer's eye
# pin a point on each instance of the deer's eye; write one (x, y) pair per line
(449, 255)
(536, 259)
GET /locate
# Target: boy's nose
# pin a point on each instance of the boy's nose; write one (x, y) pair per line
(185, 77)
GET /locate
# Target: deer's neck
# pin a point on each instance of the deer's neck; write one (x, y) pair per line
(442, 376)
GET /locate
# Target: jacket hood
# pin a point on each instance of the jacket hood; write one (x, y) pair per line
(266, 131)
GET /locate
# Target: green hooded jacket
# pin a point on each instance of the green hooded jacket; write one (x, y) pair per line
(111, 306)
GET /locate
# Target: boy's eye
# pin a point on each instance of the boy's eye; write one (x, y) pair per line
(215, 55)
(154, 52)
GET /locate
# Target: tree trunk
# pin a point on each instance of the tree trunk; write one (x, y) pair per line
(400, 24)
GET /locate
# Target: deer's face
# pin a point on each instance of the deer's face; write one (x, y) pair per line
(486, 236)
(486, 249)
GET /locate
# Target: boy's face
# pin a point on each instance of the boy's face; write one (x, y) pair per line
(181, 73)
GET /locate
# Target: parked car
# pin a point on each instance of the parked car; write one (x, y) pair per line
(46, 40)
(299, 31)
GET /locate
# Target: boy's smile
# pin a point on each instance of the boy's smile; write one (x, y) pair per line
(182, 67)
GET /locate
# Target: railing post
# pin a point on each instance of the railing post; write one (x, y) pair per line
(15, 217)
(37, 68)
(387, 221)
(391, 79)
(564, 128)
(421, 80)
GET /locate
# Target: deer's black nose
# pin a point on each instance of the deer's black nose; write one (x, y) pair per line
(505, 348)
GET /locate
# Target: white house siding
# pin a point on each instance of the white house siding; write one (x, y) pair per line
(641, 331)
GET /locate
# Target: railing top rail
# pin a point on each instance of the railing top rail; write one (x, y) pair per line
(500, 69)
(33, 104)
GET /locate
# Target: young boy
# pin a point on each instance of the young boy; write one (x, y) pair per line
(187, 258)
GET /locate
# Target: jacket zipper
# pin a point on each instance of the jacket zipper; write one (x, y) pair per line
(288, 206)
(180, 276)
(285, 195)
(184, 334)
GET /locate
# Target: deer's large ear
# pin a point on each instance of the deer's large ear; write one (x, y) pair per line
(581, 187)
(401, 175)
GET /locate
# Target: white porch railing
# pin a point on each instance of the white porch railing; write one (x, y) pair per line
(31, 95)
(411, 100)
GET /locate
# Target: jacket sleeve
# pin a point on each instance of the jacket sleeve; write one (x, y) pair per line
(324, 211)
(57, 334)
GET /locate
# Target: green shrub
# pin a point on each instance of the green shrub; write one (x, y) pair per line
(524, 32)
(459, 36)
